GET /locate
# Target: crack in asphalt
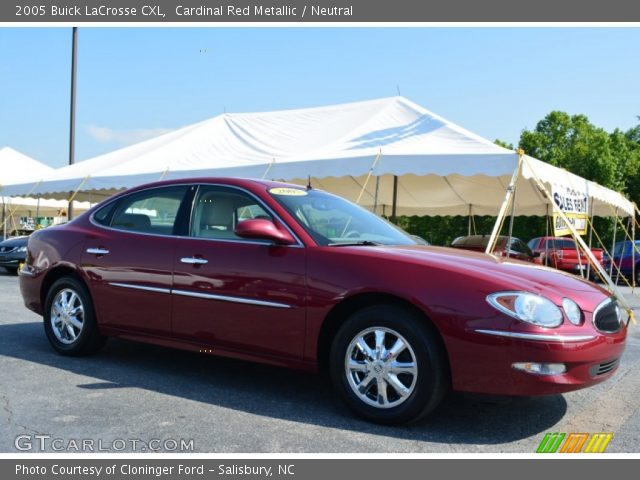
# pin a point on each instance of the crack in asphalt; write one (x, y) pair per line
(10, 421)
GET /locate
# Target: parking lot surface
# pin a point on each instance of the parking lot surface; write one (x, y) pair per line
(138, 397)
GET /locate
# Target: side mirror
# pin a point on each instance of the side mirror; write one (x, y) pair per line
(536, 254)
(261, 229)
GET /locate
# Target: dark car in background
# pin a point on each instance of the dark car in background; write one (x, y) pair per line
(13, 253)
(626, 261)
(478, 243)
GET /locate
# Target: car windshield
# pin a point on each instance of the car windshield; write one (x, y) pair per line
(331, 220)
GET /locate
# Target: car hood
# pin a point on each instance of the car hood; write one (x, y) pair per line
(497, 272)
(15, 242)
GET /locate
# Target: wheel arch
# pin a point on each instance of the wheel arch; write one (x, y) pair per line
(342, 310)
(54, 275)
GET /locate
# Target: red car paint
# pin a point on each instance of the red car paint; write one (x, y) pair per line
(561, 253)
(319, 284)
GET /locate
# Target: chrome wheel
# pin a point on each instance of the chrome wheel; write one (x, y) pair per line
(381, 367)
(67, 316)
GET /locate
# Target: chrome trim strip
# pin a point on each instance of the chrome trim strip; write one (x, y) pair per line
(206, 296)
(299, 244)
(140, 287)
(539, 337)
(225, 298)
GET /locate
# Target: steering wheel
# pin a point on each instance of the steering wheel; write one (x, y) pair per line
(352, 234)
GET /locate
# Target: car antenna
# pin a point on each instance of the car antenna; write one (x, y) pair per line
(309, 187)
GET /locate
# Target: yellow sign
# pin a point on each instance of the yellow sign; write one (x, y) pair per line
(294, 192)
(575, 206)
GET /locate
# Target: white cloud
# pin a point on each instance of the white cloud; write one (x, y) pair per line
(124, 137)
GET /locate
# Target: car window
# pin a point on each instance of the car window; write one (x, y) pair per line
(151, 211)
(218, 210)
(519, 246)
(532, 243)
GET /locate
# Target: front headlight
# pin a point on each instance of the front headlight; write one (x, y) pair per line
(572, 310)
(527, 307)
(22, 249)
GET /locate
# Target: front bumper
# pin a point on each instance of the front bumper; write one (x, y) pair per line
(589, 356)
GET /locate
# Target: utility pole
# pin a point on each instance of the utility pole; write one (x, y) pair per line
(72, 113)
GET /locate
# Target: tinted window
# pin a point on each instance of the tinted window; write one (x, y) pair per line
(519, 246)
(151, 211)
(560, 244)
(218, 210)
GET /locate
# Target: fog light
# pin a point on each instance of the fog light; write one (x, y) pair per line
(541, 368)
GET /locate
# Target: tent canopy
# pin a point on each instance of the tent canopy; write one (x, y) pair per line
(442, 168)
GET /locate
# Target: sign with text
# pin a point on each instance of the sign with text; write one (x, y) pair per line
(575, 205)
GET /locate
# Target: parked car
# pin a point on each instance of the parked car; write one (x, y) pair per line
(624, 259)
(561, 253)
(478, 243)
(300, 278)
(13, 253)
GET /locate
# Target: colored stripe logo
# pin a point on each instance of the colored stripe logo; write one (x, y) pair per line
(574, 443)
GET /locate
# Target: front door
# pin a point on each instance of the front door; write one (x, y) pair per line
(234, 293)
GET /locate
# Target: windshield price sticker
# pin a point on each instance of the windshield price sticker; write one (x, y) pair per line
(292, 192)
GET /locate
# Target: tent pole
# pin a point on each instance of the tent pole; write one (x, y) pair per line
(590, 240)
(546, 235)
(613, 244)
(37, 212)
(469, 229)
(72, 108)
(375, 198)
(633, 250)
(4, 218)
(394, 205)
(505, 203)
(511, 218)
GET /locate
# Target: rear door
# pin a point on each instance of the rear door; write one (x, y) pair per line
(234, 293)
(129, 259)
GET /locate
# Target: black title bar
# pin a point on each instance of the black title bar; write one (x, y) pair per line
(300, 11)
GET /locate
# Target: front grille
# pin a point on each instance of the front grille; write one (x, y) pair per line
(602, 368)
(607, 317)
(7, 249)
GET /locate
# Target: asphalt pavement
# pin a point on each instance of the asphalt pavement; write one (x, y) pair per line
(136, 397)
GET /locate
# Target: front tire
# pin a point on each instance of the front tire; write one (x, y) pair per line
(69, 319)
(388, 364)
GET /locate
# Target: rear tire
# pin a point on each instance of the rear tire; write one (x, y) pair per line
(11, 270)
(389, 365)
(69, 319)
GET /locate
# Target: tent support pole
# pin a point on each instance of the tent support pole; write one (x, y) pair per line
(590, 240)
(375, 198)
(547, 221)
(511, 219)
(4, 218)
(394, 205)
(613, 243)
(72, 108)
(633, 250)
(37, 211)
(505, 204)
(469, 229)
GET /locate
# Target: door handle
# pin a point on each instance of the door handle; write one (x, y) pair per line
(97, 251)
(194, 261)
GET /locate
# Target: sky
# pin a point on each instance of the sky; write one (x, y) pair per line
(135, 83)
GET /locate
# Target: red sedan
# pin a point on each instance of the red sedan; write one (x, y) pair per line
(300, 278)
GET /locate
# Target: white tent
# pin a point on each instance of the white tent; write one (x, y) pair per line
(441, 168)
(16, 167)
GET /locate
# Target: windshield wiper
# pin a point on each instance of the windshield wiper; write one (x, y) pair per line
(366, 243)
